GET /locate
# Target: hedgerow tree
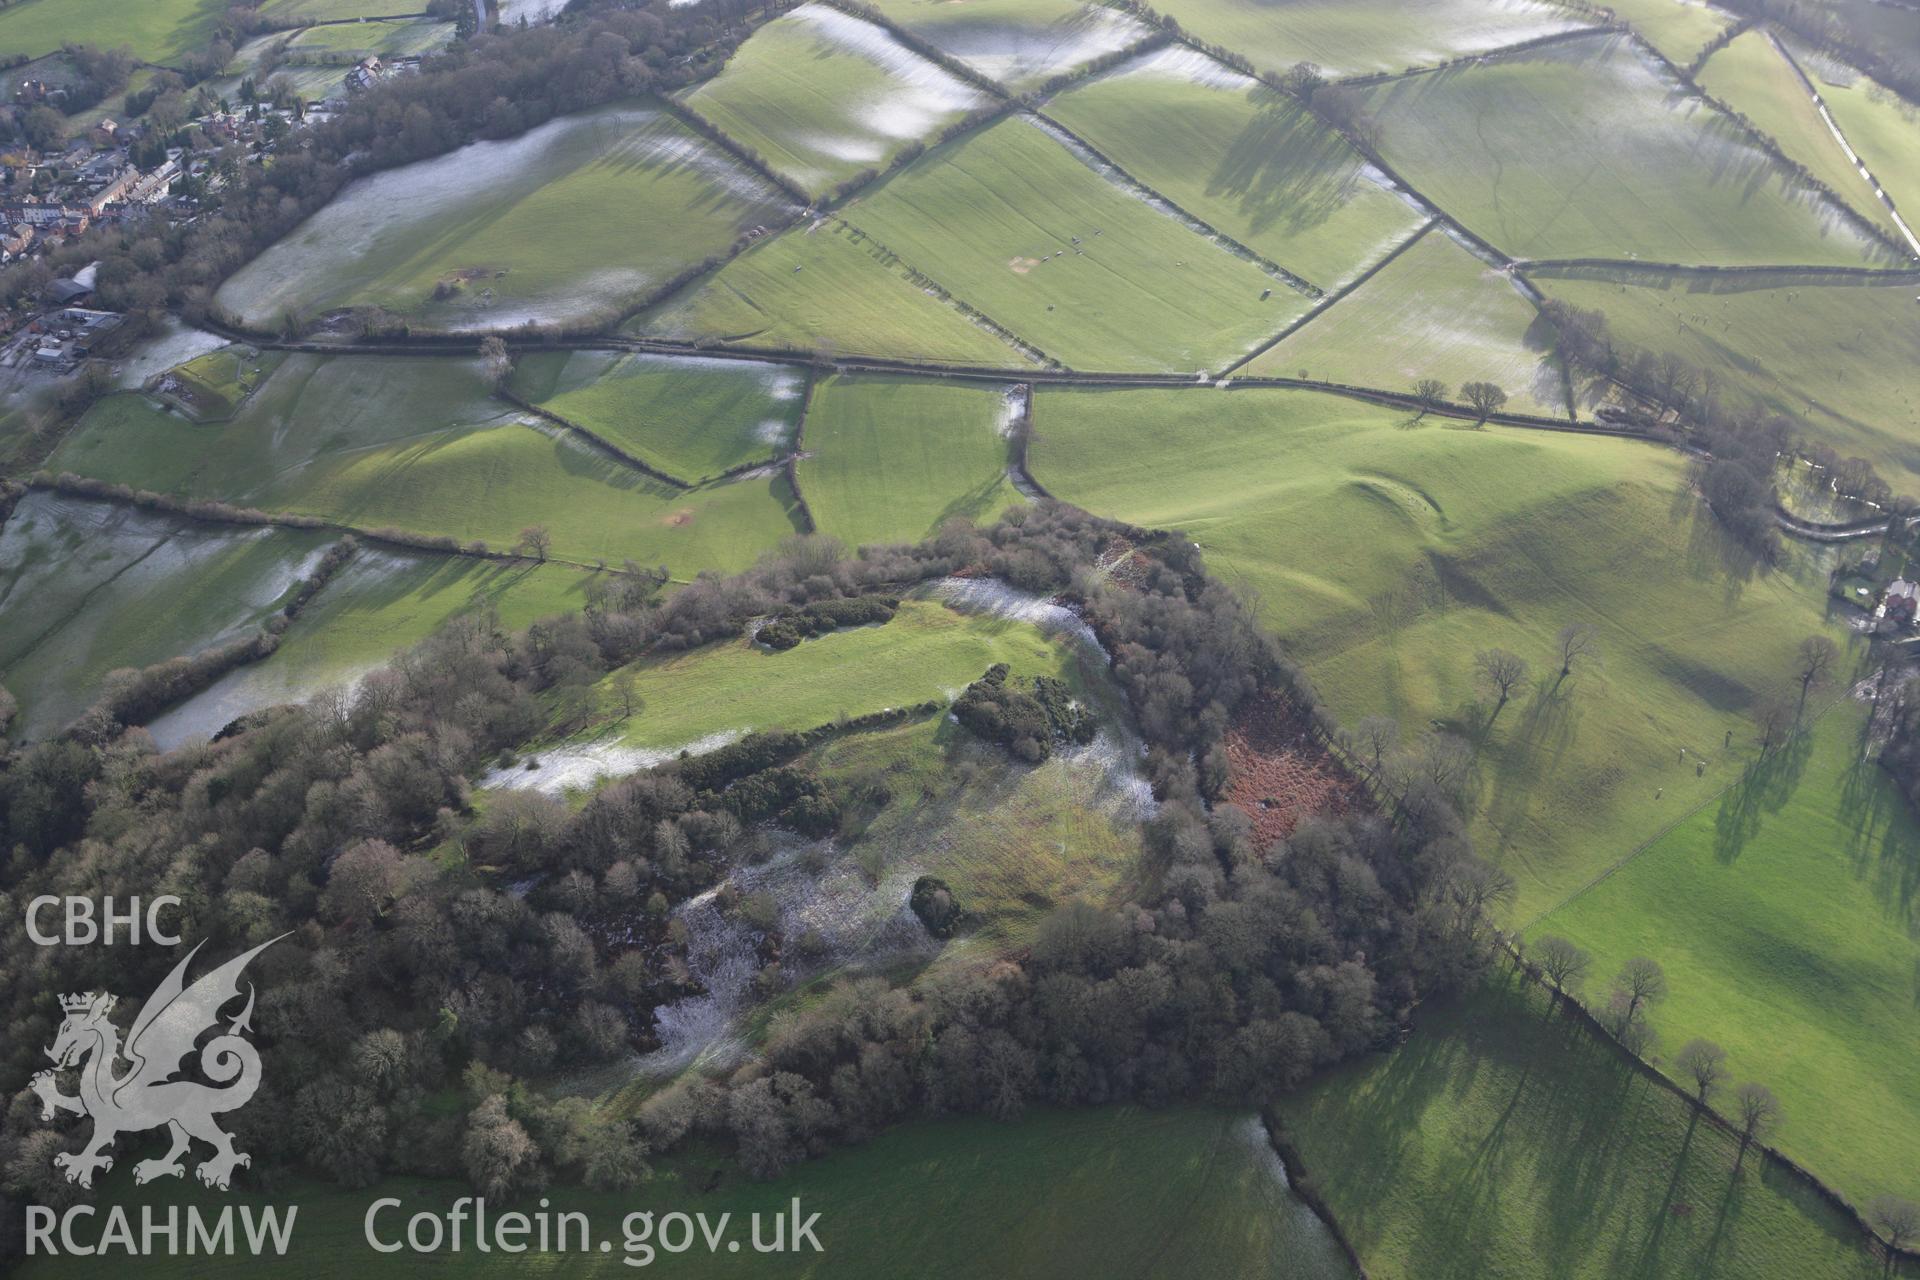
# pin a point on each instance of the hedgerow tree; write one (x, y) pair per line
(1564, 964)
(1487, 398)
(1704, 1063)
(1500, 672)
(1759, 1111)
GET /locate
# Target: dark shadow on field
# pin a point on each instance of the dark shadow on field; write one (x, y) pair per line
(1765, 786)
(1882, 842)
(1535, 740)
(1286, 169)
(1711, 555)
(973, 504)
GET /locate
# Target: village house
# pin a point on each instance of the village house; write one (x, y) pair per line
(1898, 604)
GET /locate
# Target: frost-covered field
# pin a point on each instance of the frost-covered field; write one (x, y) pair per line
(569, 223)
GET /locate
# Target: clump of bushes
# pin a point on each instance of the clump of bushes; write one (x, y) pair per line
(934, 903)
(788, 629)
(1025, 716)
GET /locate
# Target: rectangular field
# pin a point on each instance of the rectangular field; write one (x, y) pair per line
(691, 418)
(1014, 223)
(1386, 555)
(156, 30)
(1436, 311)
(1355, 37)
(1018, 43)
(1880, 125)
(1587, 149)
(1246, 159)
(825, 289)
(891, 459)
(823, 95)
(1679, 29)
(499, 234)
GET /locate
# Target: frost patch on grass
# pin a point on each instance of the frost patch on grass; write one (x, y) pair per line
(994, 598)
(575, 766)
(174, 345)
(1178, 62)
(1015, 55)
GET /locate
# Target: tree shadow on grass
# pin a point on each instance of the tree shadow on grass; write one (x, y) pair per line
(1765, 786)
(1530, 750)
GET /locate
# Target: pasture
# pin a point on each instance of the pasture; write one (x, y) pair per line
(1501, 1140)
(1436, 311)
(1355, 37)
(499, 234)
(1586, 149)
(1679, 29)
(828, 289)
(414, 444)
(1750, 76)
(1784, 914)
(1385, 554)
(156, 30)
(1167, 1193)
(892, 459)
(379, 603)
(347, 43)
(92, 587)
(1837, 359)
(691, 418)
(1014, 223)
(304, 11)
(1246, 159)
(823, 95)
(1881, 126)
(1018, 43)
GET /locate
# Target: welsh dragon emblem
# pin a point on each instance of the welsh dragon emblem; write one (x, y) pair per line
(145, 1095)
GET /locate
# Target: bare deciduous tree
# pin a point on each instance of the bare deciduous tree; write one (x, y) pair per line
(1773, 718)
(534, 541)
(1564, 964)
(1896, 1219)
(1373, 738)
(1643, 982)
(1816, 657)
(1429, 392)
(1577, 645)
(495, 361)
(1486, 397)
(1501, 672)
(1759, 1112)
(1703, 1062)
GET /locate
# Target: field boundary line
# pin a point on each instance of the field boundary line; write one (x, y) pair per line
(1667, 829)
(1293, 280)
(596, 439)
(792, 465)
(1369, 79)
(1327, 301)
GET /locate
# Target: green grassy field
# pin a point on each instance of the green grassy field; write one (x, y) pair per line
(823, 95)
(328, 10)
(1750, 76)
(1502, 1142)
(927, 653)
(1353, 37)
(1014, 223)
(88, 587)
(891, 459)
(1679, 29)
(1172, 1193)
(693, 419)
(414, 444)
(211, 387)
(1882, 127)
(1436, 311)
(1836, 358)
(1245, 158)
(826, 289)
(156, 30)
(378, 604)
(350, 42)
(1784, 913)
(1583, 150)
(1384, 557)
(515, 231)
(1018, 43)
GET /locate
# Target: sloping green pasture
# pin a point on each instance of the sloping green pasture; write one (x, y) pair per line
(823, 95)
(1014, 223)
(891, 459)
(1504, 1141)
(693, 419)
(1784, 912)
(1584, 149)
(1386, 554)
(1836, 358)
(830, 289)
(1247, 159)
(1018, 43)
(499, 234)
(1436, 311)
